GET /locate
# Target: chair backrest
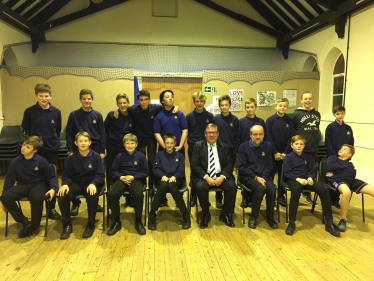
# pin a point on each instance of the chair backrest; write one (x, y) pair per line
(322, 172)
(282, 182)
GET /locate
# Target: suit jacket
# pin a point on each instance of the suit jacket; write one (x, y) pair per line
(199, 159)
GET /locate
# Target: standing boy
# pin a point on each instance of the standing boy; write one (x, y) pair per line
(44, 120)
(34, 178)
(84, 174)
(337, 133)
(129, 171)
(91, 121)
(306, 121)
(197, 121)
(228, 126)
(280, 129)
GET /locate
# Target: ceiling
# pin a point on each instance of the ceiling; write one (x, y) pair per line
(285, 20)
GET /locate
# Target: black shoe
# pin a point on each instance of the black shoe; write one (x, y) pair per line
(291, 228)
(244, 203)
(89, 230)
(252, 222)
(99, 209)
(193, 201)
(342, 225)
(205, 221)
(332, 229)
(282, 201)
(114, 228)
(53, 215)
(152, 221)
(219, 204)
(336, 204)
(227, 219)
(140, 228)
(66, 231)
(272, 223)
(74, 210)
(26, 231)
(186, 220)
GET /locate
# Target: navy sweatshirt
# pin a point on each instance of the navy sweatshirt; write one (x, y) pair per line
(84, 170)
(343, 170)
(30, 171)
(90, 122)
(169, 164)
(255, 160)
(135, 165)
(247, 123)
(116, 129)
(229, 130)
(196, 125)
(299, 166)
(281, 130)
(143, 119)
(336, 135)
(45, 123)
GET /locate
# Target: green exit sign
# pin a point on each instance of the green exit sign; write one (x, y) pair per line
(210, 89)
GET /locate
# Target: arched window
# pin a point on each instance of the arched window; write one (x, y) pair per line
(338, 82)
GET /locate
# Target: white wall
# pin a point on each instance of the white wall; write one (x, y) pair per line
(359, 97)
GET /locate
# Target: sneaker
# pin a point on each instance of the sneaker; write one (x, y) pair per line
(74, 210)
(282, 201)
(53, 215)
(342, 225)
(307, 197)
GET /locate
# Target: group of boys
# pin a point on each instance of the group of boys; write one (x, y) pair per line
(213, 145)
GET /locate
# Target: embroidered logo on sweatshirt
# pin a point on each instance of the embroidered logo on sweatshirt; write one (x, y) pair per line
(263, 153)
(94, 121)
(287, 125)
(53, 121)
(207, 120)
(176, 160)
(36, 168)
(175, 117)
(231, 125)
(90, 166)
(305, 162)
(152, 117)
(135, 163)
(348, 133)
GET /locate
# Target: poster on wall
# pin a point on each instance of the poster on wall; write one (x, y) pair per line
(237, 100)
(216, 109)
(291, 95)
(266, 98)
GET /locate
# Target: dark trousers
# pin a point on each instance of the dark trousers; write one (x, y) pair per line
(259, 192)
(173, 188)
(232, 153)
(109, 159)
(52, 158)
(189, 152)
(34, 192)
(296, 189)
(74, 190)
(229, 189)
(151, 145)
(277, 169)
(117, 190)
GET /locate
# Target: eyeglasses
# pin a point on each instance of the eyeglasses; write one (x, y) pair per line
(211, 133)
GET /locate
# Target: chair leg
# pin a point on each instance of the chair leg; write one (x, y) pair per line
(107, 211)
(286, 206)
(197, 209)
(46, 218)
(104, 212)
(276, 198)
(363, 207)
(6, 223)
(243, 208)
(146, 207)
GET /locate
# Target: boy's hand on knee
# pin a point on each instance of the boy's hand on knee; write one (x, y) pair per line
(172, 179)
(51, 193)
(63, 189)
(91, 189)
(310, 181)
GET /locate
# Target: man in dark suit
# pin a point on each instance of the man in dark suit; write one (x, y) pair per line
(212, 166)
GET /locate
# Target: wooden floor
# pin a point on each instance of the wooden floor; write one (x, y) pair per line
(215, 253)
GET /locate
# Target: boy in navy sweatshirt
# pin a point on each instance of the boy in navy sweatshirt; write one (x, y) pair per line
(35, 180)
(229, 133)
(44, 120)
(129, 171)
(300, 171)
(170, 175)
(88, 120)
(84, 174)
(342, 176)
(280, 130)
(337, 133)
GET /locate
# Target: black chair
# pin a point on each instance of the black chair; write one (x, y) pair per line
(53, 167)
(63, 151)
(126, 193)
(10, 142)
(285, 186)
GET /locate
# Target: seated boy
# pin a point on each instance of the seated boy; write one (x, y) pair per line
(129, 172)
(84, 174)
(168, 169)
(342, 176)
(300, 171)
(35, 180)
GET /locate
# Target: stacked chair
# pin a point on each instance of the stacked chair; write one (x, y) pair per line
(10, 143)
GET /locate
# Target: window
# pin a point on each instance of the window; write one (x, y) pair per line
(338, 82)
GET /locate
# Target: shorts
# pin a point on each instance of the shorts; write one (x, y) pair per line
(355, 185)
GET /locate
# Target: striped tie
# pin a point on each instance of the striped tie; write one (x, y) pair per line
(212, 165)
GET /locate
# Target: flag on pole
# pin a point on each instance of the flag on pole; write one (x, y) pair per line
(137, 88)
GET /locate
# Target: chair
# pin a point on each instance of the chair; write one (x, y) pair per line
(285, 186)
(242, 187)
(10, 141)
(53, 167)
(63, 151)
(145, 190)
(323, 180)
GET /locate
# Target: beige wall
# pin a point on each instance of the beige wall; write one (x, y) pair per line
(360, 87)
